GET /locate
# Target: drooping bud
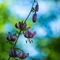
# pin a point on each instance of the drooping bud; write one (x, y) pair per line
(37, 7)
(34, 18)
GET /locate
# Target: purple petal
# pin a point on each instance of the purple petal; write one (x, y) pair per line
(14, 38)
(23, 55)
(29, 34)
(26, 33)
(19, 25)
(13, 53)
(37, 7)
(9, 36)
(24, 25)
(34, 33)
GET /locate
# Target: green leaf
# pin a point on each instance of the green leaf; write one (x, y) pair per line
(17, 49)
(33, 9)
(11, 42)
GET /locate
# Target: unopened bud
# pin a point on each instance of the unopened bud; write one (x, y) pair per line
(34, 18)
(37, 7)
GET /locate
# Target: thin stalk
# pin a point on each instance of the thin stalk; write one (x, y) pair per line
(30, 12)
(17, 39)
(15, 44)
(25, 21)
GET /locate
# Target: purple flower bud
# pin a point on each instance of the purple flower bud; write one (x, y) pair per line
(21, 25)
(23, 55)
(11, 37)
(34, 18)
(29, 34)
(13, 53)
(37, 7)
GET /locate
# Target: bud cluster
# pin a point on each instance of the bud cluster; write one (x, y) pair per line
(35, 10)
(23, 29)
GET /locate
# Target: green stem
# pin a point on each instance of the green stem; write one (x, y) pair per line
(15, 44)
(30, 12)
(17, 39)
(20, 30)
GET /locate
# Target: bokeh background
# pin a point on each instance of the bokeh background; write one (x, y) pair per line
(46, 43)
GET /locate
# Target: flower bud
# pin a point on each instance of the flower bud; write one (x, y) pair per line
(37, 7)
(34, 18)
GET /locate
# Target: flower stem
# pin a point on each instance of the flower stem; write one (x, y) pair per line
(30, 12)
(17, 39)
(15, 43)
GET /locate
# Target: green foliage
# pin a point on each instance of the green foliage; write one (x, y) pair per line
(55, 44)
(4, 47)
(4, 15)
(49, 46)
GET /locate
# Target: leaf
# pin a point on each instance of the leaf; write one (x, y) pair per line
(11, 42)
(33, 9)
(17, 49)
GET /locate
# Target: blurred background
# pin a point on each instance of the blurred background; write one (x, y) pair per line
(46, 43)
